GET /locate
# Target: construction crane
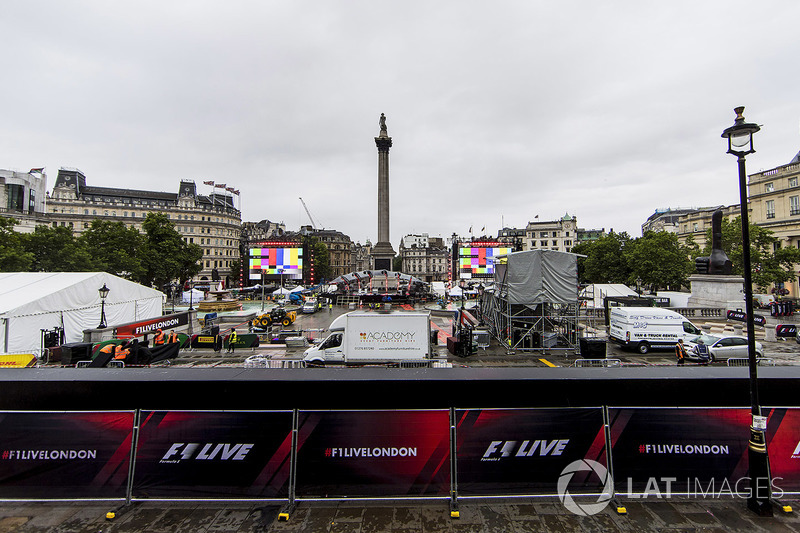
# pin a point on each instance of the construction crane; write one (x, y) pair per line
(313, 224)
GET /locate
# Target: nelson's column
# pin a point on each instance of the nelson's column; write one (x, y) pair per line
(382, 252)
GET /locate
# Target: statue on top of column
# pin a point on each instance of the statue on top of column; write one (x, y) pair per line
(382, 122)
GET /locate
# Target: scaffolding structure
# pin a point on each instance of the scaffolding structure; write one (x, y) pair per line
(533, 304)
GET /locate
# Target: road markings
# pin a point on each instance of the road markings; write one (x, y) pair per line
(548, 363)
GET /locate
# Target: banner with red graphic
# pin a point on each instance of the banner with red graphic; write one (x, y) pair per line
(524, 451)
(64, 455)
(662, 452)
(373, 453)
(213, 455)
(783, 445)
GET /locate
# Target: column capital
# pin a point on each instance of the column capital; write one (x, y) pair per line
(383, 143)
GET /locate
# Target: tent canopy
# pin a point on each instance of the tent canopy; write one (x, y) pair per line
(596, 292)
(33, 301)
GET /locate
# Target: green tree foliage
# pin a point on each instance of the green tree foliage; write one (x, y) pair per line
(322, 261)
(116, 248)
(659, 261)
(57, 250)
(165, 256)
(605, 260)
(769, 263)
(236, 271)
(13, 256)
(397, 263)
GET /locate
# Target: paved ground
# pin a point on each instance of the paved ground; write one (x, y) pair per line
(519, 516)
(786, 352)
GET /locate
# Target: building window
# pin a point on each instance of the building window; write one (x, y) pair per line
(694, 226)
(794, 205)
(792, 182)
(769, 187)
(16, 197)
(770, 208)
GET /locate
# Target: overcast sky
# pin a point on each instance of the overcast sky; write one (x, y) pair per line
(499, 111)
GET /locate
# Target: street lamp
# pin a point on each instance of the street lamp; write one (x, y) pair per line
(262, 290)
(103, 294)
(740, 144)
(189, 282)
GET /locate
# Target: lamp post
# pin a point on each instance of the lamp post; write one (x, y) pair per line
(103, 294)
(740, 144)
(262, 290)
(191, 294)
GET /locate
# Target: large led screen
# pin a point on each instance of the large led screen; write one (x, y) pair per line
(476, 262)
(274, 261)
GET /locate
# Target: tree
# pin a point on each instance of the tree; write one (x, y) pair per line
(770, 264)
(397, 263)
(115, 248)
(659, 261)
(57, 250)
(606, 261)
(322, 260)
(236, 271)
(165, 255)
(13, 256)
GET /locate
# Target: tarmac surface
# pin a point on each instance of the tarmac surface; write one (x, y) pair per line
(524, 515)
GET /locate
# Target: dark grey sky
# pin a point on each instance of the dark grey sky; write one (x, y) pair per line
(499, 111)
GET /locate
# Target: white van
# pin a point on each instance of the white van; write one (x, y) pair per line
(643, 328)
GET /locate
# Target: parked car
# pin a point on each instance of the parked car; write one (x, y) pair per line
(724, 346)
(310, 306)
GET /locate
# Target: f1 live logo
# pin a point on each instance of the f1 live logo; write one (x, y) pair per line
(184, 451)
(527, 448)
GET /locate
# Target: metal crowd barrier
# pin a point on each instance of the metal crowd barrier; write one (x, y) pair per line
(596, 363)
(743, 361)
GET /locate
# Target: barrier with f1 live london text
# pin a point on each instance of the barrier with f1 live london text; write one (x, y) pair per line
(285, 455)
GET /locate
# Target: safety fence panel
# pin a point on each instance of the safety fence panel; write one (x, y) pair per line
(504, 452)
(69, 455)
(224, 454)
(373, 454)
(783, 445)
(665, 451)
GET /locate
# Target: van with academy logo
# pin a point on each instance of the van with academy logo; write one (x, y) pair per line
(644, 328)
(374, 338)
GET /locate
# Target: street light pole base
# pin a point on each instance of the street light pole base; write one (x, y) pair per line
(759, 506)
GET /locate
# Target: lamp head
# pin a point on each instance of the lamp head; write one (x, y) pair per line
(740, 135)
(103, 291)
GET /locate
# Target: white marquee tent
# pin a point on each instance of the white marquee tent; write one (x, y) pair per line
(33, 301)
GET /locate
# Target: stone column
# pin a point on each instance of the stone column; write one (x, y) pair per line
(383, 253)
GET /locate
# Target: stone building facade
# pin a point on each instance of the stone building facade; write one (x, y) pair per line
(560, 235)
(339, 248)
(210, 221)
(424, 257)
